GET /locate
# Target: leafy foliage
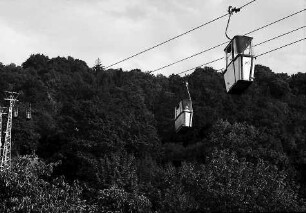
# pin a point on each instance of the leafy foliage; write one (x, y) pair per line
(226, 183)
(115, 199)
(26, 188)
(113, 132)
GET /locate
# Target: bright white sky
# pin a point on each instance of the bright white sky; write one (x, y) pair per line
(115, 29)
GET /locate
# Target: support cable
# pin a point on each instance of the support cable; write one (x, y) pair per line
(186, 83)
(164, 42)
(175, 37)
(267, 25)
(201, 65)
(287, 33)
(278, 48)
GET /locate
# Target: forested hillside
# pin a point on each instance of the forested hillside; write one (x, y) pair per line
(104, 141)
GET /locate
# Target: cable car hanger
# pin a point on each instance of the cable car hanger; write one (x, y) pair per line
(230, 11)
(186, 83)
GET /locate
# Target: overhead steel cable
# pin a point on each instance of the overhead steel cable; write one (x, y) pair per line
(184, 59)
(293, 14)
(206, 50)
(202, 65)
(164, 42)
(286, 45)
(287, 33)
(268, 40)
(175, 37)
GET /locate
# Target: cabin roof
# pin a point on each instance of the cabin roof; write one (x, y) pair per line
(241, 41)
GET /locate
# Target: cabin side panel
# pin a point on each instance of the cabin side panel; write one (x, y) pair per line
(180, 121)
(247, 69)
(188, 119)
(229, 77)
(237, 69)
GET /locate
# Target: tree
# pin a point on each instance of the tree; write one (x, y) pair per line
(28, 187)
(228, 184)
(98, 66)
(115, 199)
(248, 142)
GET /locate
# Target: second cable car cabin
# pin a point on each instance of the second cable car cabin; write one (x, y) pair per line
(239, 73)
(183, 115)
(28, 113)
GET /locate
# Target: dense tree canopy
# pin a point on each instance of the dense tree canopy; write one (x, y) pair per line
(113, 132)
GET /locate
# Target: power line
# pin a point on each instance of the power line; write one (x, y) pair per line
(175, 37)
(210, 62)
(206, 50)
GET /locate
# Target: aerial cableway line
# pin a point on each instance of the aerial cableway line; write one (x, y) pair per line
(176, 37)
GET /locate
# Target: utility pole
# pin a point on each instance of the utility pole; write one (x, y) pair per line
(1, 113)
(6, 152)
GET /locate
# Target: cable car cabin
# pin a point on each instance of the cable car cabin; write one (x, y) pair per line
(28, 115)
(15, 111)
(183, 115)
(239, 73)
(28, 112)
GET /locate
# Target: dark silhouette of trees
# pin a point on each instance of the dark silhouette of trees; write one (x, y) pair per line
(113, 132)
